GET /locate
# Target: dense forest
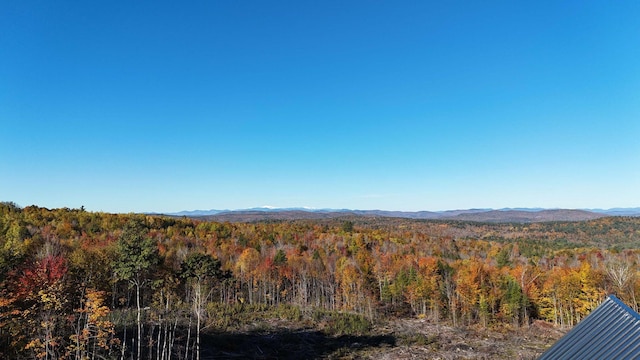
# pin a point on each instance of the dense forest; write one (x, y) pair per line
(83, 285)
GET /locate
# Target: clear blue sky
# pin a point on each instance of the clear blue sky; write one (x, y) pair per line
(131, 106)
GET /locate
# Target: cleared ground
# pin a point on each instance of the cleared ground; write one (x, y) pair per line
(399, 339)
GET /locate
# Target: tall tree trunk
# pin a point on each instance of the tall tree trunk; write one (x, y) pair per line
(198, 315)
(186, 351)
(138, 320)
(172, 336)
(124, 341)
(159, 338)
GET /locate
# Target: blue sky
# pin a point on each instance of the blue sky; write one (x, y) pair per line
(404, 105)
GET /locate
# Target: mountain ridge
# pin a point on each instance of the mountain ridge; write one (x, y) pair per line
(504, 215)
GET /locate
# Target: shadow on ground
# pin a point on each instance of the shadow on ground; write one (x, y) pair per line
(289, 344)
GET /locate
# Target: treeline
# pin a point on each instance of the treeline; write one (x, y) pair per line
(77, 285)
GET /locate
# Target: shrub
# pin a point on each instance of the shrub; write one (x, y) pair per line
(340, 323)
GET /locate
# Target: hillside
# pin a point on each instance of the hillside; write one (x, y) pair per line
(516, 216)
(351, 286)
(477, 215)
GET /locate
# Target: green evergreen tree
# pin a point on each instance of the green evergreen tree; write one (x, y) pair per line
(200, 270)
(137, 258)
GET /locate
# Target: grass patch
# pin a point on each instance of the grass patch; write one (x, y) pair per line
(239, 316)
(419, 340)
(242, 317)
(341, 323)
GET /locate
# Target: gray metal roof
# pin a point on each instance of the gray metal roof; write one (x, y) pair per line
(611, 331)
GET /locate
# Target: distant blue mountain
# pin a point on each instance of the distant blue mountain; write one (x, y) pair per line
(524, 209)
(267, 209)
(196, 213)
(618, 211)
(482, 215)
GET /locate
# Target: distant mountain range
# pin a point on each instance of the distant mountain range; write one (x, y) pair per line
(518, 215)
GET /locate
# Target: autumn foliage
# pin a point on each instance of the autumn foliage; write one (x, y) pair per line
(82, 285)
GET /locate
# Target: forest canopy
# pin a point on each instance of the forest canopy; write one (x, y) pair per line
(77, 284)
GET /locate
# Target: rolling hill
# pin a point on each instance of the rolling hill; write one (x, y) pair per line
(517, 215)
